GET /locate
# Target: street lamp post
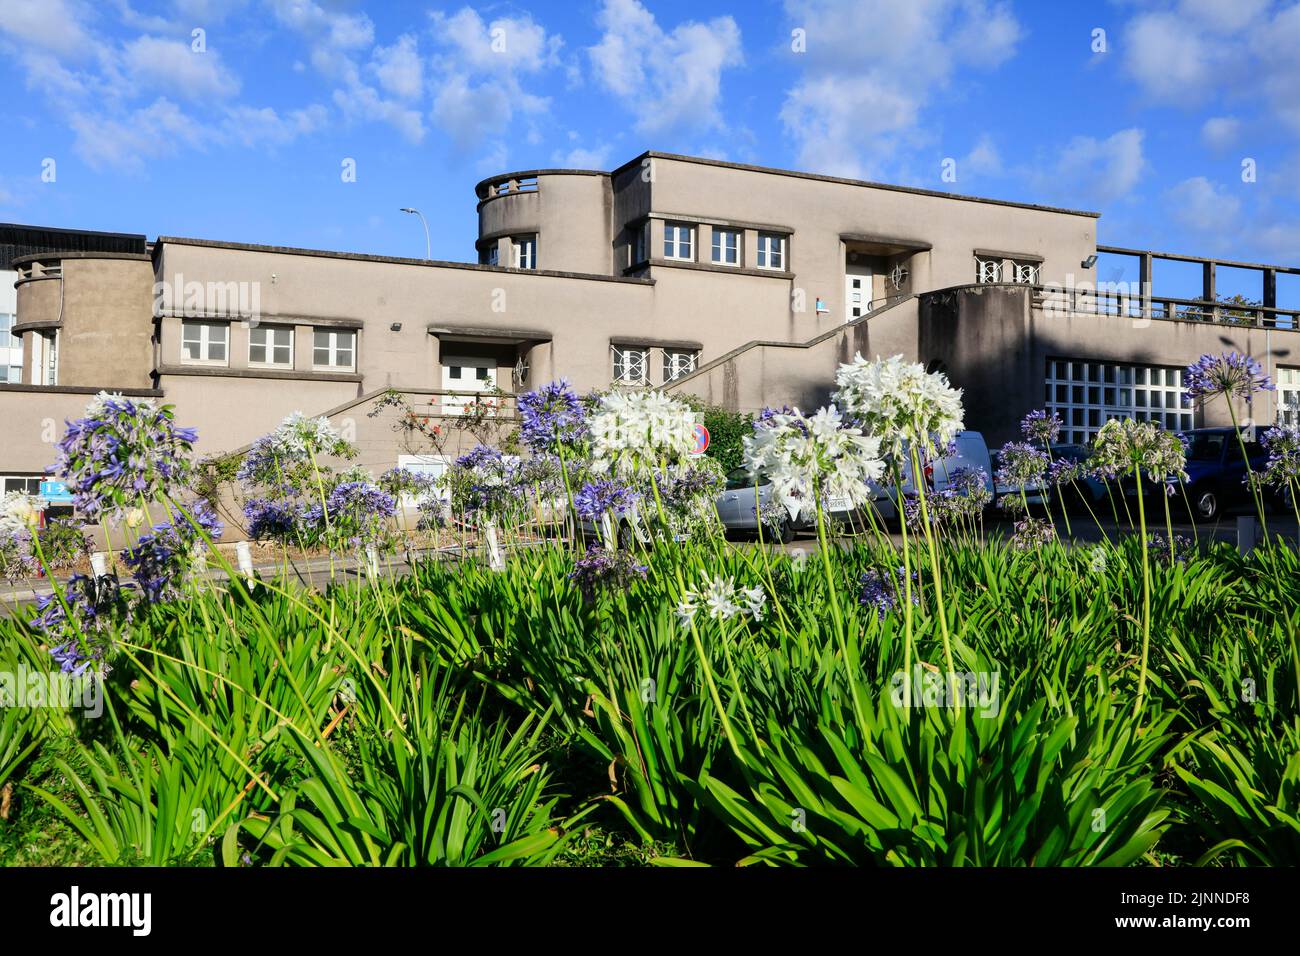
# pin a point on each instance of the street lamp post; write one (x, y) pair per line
(416, 212)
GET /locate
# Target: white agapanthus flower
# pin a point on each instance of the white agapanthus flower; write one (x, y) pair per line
(805, 457)
(18, 512)
(719, 598)
(96, 406)
(634, 431)
(300, 434)
(898, 402)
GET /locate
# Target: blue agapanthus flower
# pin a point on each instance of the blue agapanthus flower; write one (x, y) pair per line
(1041, 426)
(1231, 374)
(597, 498)
(552, 417)
(161, 559)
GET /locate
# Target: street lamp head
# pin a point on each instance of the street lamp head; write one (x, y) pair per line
(406, 209)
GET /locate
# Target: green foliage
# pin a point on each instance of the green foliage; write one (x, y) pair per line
(726, 429)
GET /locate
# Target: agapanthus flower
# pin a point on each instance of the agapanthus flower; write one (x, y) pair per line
(1021, 465)
(720, 599)
(899, 403)
(601, 568)
(271, 519)
(552, 417)
(1283, 465)
(882, 591)
(768, 416)
(121, 451)
(634, 432)
(291, 457)
(1041, 426)
(604, 497)
(359, 512)
(161, 560)
(407, 481)
(487, 481)
(971, 486)
(1063, 471)
(18, 513)
(1124, 443)
(811, 458)
(1032, 534)
(1183, 547)
(98, 606)
(680, 486)
(1231, 374)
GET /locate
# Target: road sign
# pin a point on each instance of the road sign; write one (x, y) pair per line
(56, 493)
(701, 440)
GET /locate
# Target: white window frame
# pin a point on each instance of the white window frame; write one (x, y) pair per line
(771, 251)
(679, 236)
(678, 362)
(270, 332)
(1086, 394)
(333, 349)
(988, 270)
(207, 338)
(1026, 273)
(524, 251)
(725, 246)
(630, 366)
(493, 254)
(1288, 396)
(435, 465)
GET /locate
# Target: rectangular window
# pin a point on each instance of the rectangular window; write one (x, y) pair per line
(771, 251)
(492, 255)
(631, 366)
(726, 247)
(640, 244)
(1078, 392)
(268, 345)
(205, 343)
(525, 252)
(1288, 397)
(988, 270)
(679, 241)
(678, 362)
(334, 351)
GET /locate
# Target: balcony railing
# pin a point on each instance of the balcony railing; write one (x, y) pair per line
(508, 184)
(1134, 306)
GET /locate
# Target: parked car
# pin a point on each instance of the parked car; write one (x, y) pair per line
(971, 453)
(1216, 473)
(1086, 490)
(738, 510)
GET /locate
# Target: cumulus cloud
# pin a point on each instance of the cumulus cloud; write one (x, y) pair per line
(1202, 206)
(872, 66)
(172, 65)
(398, 68)
(1221, 132)
(668, 79)
(482, 71)
(1098, 170)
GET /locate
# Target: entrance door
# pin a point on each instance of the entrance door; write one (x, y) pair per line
(857, 292)
(464, 374)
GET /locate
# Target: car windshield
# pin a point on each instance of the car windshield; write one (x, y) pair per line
(1205, 447)
(741, 478)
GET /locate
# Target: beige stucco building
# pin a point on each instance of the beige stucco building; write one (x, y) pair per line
(743, 285)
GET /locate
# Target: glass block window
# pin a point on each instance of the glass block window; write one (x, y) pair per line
(1088, 394)
(631, 366)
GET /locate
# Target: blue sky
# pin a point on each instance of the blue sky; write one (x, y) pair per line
(1148, 121)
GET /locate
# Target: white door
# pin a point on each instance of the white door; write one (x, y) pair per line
(857, 292)
(463, 374)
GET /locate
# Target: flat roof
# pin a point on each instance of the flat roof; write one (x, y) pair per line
(18, 240)
(399, 260)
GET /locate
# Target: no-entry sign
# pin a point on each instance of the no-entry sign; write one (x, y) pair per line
(701, 440)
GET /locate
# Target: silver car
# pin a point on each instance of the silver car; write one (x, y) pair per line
(738, 510)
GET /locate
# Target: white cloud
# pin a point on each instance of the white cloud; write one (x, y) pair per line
(398, 68)
(1201, 206)
(54, 25)
(871, 67)
(171, 65)
(1098, 170)
(159, 129)
(251, 126)
(1221, 132)
(668, 80)
(582, 158)
(481, 72)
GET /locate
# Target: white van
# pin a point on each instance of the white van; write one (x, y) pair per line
(971, 453)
